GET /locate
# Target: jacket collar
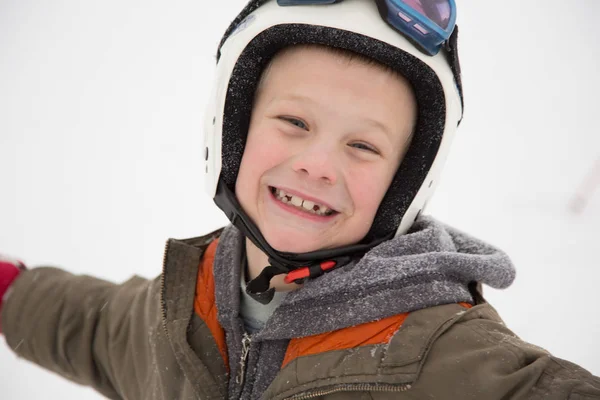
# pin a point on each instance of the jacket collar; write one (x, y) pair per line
(180, 269)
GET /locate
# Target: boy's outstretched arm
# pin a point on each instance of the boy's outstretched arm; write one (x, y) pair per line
(10, 269)
(86, 329)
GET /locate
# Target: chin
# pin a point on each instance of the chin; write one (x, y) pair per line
(291, 243)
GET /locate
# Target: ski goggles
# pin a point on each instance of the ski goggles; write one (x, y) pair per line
(426, 23)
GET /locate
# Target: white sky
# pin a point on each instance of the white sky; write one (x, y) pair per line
(101, 150)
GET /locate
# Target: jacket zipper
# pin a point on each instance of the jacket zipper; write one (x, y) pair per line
(162, 288)
(246, 341)
(359, 387)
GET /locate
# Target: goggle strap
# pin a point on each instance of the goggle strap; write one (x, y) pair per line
(453, 60)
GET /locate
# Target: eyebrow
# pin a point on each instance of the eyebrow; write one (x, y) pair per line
(379, 126)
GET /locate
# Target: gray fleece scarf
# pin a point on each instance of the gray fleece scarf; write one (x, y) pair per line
(432, 264)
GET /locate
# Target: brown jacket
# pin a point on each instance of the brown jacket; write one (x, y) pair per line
(142, 340)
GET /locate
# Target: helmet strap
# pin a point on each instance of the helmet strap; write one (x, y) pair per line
(259, 288)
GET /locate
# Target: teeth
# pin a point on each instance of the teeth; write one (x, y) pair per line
(307, 205)
(297, 201)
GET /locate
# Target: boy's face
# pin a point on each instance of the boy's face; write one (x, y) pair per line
(330, 134)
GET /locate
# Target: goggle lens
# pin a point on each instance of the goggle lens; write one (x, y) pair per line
(438, 11)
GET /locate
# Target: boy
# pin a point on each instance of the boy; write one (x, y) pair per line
(331, 157)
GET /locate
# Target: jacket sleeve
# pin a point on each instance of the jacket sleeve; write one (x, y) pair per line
(479, 358)
(473, 356)
(483, 359)
(83, 328)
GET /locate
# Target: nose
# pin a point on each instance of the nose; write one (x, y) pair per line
(317, 163)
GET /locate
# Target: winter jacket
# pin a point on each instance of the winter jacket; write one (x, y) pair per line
(404, 322)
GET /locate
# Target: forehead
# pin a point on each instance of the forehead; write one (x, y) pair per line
(326, 73)
(302, 66)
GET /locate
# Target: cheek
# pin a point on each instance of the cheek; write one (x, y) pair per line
(244, 184)
(260, 155)
(367, 189)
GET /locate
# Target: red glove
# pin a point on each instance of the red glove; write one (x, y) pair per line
(9, 270)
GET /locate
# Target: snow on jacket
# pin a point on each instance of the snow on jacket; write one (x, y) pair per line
(407, 321)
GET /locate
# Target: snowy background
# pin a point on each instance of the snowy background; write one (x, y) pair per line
(101, 151)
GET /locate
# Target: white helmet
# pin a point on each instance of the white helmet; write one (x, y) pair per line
(255, 36)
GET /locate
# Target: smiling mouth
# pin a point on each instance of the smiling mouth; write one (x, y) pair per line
(301, 204)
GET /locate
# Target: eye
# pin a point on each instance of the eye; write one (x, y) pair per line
(296, 122)
(364, 146)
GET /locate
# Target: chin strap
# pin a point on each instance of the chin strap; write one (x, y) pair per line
(259, 288)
